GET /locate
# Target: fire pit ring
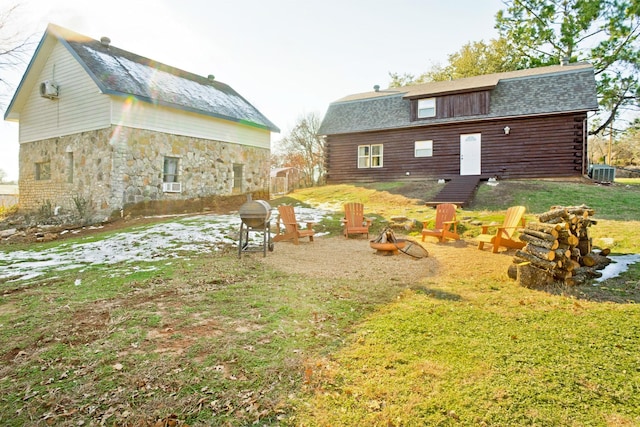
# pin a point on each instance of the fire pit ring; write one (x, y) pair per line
(387, 249)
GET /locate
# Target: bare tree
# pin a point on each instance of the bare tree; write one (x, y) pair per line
(14, 49)
(303, 148)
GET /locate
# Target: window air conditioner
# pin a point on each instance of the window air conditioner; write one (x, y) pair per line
(48, 89)
(172, 187)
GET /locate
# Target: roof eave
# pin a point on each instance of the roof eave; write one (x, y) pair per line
(420, 95)
(45, 43)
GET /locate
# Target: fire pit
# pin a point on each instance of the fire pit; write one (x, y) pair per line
(386, 243)
(389, 248)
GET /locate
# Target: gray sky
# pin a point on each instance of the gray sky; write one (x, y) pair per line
(286, 57)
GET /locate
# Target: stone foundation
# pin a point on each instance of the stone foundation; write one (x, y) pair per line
(111, 168)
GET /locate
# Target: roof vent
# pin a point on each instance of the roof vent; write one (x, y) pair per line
(376, 88)
(211, 77)
(105, 41)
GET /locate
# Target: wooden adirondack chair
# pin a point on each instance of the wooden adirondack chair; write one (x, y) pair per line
(292, 230)
(445, 223)
(354, 221)
(504, 236)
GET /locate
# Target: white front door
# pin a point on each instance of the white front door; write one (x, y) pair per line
(470, 154)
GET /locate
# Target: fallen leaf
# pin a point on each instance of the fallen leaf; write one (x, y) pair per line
(307, 374)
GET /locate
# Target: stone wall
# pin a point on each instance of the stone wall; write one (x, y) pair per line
(79, 168)
(115, 167)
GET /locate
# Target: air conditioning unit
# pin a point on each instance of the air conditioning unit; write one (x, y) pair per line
(602, 173)
(172, 187)
(48, 89)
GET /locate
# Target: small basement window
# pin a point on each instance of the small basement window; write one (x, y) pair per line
(423, 149)
(370, 156)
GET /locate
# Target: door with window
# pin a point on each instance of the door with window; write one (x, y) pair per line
(470, 153)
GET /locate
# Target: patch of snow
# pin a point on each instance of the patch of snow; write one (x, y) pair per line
(619, 264)
(166, 241)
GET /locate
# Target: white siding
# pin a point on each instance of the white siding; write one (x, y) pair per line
(142, 115)
(80, 106)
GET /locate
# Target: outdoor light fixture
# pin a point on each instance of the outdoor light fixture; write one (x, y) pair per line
(507, 129)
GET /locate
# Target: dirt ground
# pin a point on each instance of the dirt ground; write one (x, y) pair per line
(353, 258)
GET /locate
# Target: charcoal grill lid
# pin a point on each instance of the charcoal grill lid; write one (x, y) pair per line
(255, 213)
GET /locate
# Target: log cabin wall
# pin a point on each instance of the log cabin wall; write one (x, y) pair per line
(536, 147)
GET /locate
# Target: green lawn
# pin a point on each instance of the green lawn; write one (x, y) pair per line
(211, 339)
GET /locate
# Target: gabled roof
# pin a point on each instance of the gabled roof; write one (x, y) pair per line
(537, 91)
(118, 72)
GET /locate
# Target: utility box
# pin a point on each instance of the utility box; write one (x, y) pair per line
(602, 173)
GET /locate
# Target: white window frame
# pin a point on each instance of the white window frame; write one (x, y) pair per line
(423, 148)
(364, 156)
(370, 156)
(426, 108)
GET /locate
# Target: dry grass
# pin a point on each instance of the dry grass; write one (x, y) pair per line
(324, 333)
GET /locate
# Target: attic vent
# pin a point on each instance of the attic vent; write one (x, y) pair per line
(376, 88)
(48, 89)
(105, 41)
(211, 77)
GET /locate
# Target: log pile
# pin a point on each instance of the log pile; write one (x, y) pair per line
(558, 249)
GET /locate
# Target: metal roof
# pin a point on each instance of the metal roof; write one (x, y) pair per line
(121, 73)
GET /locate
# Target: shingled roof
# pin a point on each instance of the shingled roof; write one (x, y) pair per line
(538, 91)
(121, 73)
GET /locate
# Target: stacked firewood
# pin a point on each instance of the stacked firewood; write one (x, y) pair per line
(558, 249)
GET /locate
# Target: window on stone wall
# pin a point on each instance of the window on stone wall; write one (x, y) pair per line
(69, 167)
(237, 177)
(171, 175)
(43, 171)
(99, 176)
(171, 169)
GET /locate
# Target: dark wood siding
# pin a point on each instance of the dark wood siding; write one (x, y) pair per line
(457, 105)
(535, 148)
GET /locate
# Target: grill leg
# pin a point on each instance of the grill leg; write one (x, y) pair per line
(240, 245)
(243, 240)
